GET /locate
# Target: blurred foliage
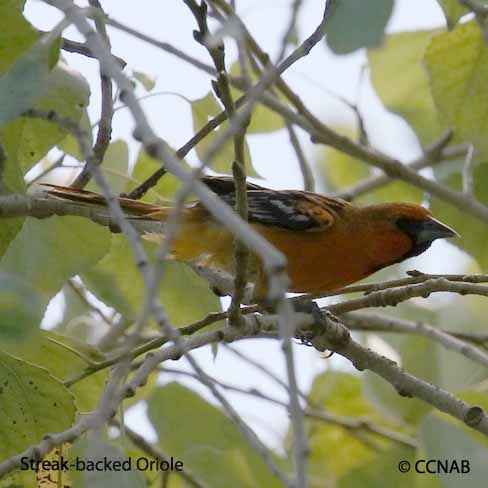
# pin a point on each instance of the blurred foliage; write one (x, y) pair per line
(210, 445)
(47, 253)
(339, 171)
(117, 281)
(453, 11)
(21, 309)
(166, 187)
(32, 402)
(115, 167)
(65, 358)
(353, 25)
(203, 110)
(400, 80)
(335, 451)
(457, 65)
(469, 228)
(263, 119)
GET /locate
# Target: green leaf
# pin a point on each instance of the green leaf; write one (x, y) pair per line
(455, 371)
(353, 25)
(469, 228)
(24, 83)
(33, 403)
(400, 80)
(147, 81)
(115, 167)
(263, 119)
(17, 34)
(335, 450)
(453, 11)
(47, 252)
(21, 310)
(202, 111)
(418, 355)
(340, 171)
(117, 282)
(210, 446)
(166, 187)
(382, 471)
(70, 145)
(428, 359)
(27, 141)
(12, 181)
(457, 62)
(19, 479)
(446, 442)
(65, 358)
(10, 228)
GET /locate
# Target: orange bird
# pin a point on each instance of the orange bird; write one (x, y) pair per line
(329, 243)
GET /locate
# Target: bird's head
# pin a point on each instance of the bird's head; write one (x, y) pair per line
(405, 230)
(419, 224)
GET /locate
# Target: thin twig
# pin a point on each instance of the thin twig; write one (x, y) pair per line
(107, 111)
(155, 452)
(366, 321)
(308, 180)
(80, 292)
(352, 425)
(81, 48)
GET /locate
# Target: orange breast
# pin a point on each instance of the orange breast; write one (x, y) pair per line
(322, 261)
(317, 261)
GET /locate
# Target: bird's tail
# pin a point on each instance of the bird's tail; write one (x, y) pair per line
(133, 208)
(198, 239)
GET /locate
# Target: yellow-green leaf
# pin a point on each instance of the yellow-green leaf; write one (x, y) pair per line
(70, 145)
(335, 450)
(47, 252)
(147, 81)
(166, 186)
(117, 281)
(27, 140)
(400, 79)
(65, 358)
(453, 11)
(263, 119)
(33, 403)
(340, 171)
(468, 227)
(210, 446)
(115, 167)
(203, 110)
(17, 34)
(21, 310)
(457, 62)
(24, 83)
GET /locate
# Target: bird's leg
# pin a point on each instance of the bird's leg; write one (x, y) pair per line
(321, 323)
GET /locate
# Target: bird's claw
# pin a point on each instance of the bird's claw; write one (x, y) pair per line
(320, 321)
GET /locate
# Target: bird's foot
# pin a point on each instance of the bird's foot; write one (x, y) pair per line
(320, 321)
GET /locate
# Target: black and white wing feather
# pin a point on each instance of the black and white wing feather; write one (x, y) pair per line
(287, 209)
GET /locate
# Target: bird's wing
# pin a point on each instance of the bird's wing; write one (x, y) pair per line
(288, 209)
(225, 184)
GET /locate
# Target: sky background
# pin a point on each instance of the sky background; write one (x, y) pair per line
(316, 79)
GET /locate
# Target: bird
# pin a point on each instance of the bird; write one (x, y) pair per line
(328, 242)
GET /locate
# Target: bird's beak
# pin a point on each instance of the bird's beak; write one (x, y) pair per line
(431, 229)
